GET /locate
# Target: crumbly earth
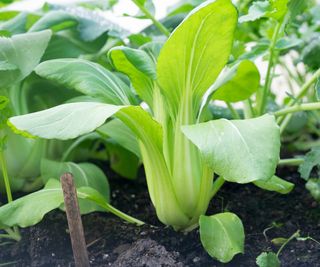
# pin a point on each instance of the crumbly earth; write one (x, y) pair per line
(112, 242)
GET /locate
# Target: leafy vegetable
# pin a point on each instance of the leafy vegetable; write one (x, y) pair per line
(311, 160)
(222, 235)
(180, 151)
(243, 76)
(250, 161)
(85, 175)
(275, 184)
(30, 209)
(20, 55)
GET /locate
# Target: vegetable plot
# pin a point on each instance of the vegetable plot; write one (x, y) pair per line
(180, 151)
(153, 104)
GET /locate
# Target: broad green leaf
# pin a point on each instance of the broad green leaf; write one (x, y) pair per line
(16, 25)
(122, 134)
(91, 25)
(311, 160)
(71, 120)
(240, 151)
(222, 235)
(140, 68)
(196, 52)
(257, 10)
(23, 159)
(88, 78)
(237, 83)
(85, 174)
(275, 184)
(61, 46)
(268, 259)
(30, 209)
(54, 20)
(23, 51)
(275, 9)
(280, 8)
(63, 122)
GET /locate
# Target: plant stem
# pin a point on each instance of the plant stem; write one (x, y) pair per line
(5, 176)
(122, 215)
(217, 184)
(291, 162)
(234, 112)
(8, 263)
(248, 109)
(268, 80)
(13, 234)
(157, 23)
(297, 108)
(302, 92)
(296, 234)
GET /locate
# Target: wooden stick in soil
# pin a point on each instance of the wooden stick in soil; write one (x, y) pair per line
(78, 242)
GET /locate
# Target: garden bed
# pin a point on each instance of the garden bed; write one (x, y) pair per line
(112, 242)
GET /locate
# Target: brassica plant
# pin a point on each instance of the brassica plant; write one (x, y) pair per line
(180, 150)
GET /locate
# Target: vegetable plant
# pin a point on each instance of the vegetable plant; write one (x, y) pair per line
(180, 150)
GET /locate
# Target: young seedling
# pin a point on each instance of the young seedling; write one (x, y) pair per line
(271, 259)
(78, 242)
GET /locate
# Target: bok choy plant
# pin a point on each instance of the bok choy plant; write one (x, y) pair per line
(180, 150)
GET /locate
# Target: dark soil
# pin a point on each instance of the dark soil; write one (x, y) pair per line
(112, 242)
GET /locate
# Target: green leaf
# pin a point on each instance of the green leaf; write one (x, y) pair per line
(311, 160)
(71, 120)
(88, 78)
(63, 122)
(7, 14)
(195, 53)
(237, 83)
(268, 259)
(91, 25)
(257, 10)
(16, 25)
(22, 53)
(240, 151)
(275, 184)
(222, 235)
(313, 185)
(275, 9)
(140, 68)
(23, 159)
(85, 175)
(30, 209)
(54, 20)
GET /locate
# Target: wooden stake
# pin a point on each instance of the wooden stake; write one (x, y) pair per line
(78, 242)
